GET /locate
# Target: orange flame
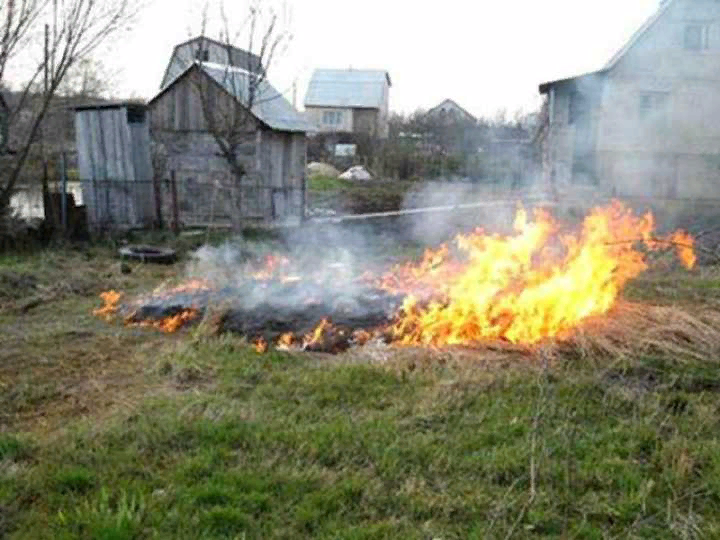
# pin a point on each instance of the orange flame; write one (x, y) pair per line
(273, 265)
(169, 324)
(539, 283)
(317, 336)
(111, 299)
(261, 346)
(286, 340)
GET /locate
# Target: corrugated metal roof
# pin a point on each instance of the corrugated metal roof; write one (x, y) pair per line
(346, 88)
(269, 105)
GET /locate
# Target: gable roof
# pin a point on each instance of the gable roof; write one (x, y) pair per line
(270, 107)
(637, 36)
(455, 106)
(357, 88)
(238, 57)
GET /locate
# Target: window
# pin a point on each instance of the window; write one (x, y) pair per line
(135, 114)
(696, 37)
(332, 118)
(203, 55)
(654, 106)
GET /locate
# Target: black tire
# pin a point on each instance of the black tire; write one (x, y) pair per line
(150, 254)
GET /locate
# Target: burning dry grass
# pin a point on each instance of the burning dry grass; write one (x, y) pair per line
(635, 329)
(631, 330)
(549, 286)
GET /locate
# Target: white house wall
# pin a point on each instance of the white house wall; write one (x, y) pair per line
(315, 116)
(677, 154)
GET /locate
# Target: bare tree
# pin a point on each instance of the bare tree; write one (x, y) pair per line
(88, 78)
(233, 87)
(56, 38)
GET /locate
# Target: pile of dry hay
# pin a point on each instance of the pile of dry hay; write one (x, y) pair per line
(630, 330)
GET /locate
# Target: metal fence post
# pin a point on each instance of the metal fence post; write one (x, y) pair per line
(63, 202)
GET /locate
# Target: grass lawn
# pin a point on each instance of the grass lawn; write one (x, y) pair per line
(115, 433)
(357, 197)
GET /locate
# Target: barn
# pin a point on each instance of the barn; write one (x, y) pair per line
(194, 120)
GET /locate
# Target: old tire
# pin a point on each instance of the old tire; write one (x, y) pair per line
(150, 254)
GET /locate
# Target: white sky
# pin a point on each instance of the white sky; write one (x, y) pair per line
(486, 55)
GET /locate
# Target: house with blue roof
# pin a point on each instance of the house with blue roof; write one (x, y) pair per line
(235, 145)
(349, 101)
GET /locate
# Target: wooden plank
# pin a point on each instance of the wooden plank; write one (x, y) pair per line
(83, 143)
(98, 171)
(174, 199)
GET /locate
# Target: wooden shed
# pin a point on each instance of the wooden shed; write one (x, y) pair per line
(114, 164)
(273, 151)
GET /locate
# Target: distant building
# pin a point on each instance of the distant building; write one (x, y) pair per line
(272, 151)
(349, 101)
(450, 111)
(648, 122)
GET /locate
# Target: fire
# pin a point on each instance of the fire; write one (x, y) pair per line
(169, 324)
(261, 345)
(111, 299)
(286, 340)
(539, 283)
(193, 285)
(273, 265)
(317, 335)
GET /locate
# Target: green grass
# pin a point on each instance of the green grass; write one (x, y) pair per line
(114, 433)
(281, 446)
(357, 197)
(327, 183)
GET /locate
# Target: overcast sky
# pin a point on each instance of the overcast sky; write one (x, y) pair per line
(486, 55)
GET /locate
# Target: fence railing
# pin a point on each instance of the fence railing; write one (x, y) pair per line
(183, 203)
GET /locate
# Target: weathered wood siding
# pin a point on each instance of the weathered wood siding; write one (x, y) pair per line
(208, 190)
(272, 189)
(114, 166)
(180, 108)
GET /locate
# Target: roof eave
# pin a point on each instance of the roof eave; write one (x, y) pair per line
(544, 88)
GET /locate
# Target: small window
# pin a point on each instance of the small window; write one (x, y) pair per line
(135, 114)
(203, 55)
(654, 105)
(332, 118)
(696, 37)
